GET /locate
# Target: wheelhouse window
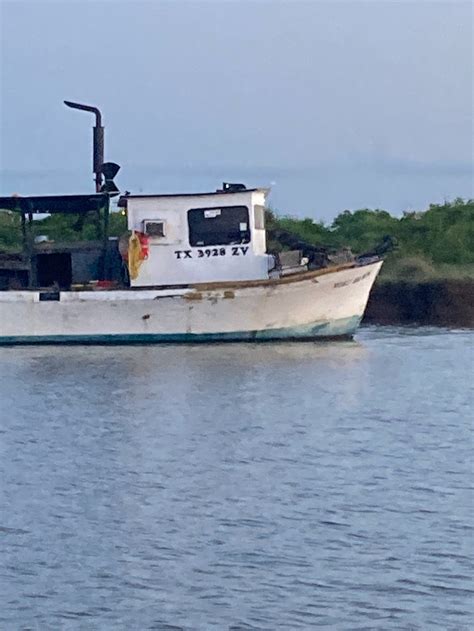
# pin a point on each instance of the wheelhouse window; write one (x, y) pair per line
(218, 226)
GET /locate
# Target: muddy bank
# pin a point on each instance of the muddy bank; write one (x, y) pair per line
(433, 303)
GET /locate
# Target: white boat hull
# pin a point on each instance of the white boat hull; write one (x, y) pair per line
(312, 305)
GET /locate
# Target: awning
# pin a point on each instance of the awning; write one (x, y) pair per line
(55, 204)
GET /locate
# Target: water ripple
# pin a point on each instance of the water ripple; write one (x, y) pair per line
(239, 487)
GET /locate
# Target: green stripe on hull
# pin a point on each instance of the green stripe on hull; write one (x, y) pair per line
(325, 330)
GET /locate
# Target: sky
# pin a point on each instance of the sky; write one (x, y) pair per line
(334, 104)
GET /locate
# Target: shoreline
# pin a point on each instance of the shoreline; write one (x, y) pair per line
(444, 303)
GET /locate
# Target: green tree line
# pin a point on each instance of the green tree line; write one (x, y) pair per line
(442, 235)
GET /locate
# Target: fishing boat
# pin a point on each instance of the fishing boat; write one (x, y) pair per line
(190, 268)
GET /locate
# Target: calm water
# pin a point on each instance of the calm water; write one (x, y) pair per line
(279, 486)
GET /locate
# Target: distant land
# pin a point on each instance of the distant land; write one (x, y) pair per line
(320, 191)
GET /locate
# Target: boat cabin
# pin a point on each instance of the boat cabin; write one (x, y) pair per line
(203, 237)
(171, 240)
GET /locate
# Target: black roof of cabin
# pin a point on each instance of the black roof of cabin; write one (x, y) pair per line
(246, 190)
(123, 198)
(54, 204)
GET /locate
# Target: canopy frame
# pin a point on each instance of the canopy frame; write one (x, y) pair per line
(58, 204)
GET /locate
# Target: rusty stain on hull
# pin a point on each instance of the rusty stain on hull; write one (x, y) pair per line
(193, 296)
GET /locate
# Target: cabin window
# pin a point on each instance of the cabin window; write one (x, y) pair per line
(259, 214)
(218, 226)
(154, 228)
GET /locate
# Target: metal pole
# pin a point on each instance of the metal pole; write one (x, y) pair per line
(98, 140)
(105, 238)
(33, 280)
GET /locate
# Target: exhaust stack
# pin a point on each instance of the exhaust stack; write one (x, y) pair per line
(98, 141)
